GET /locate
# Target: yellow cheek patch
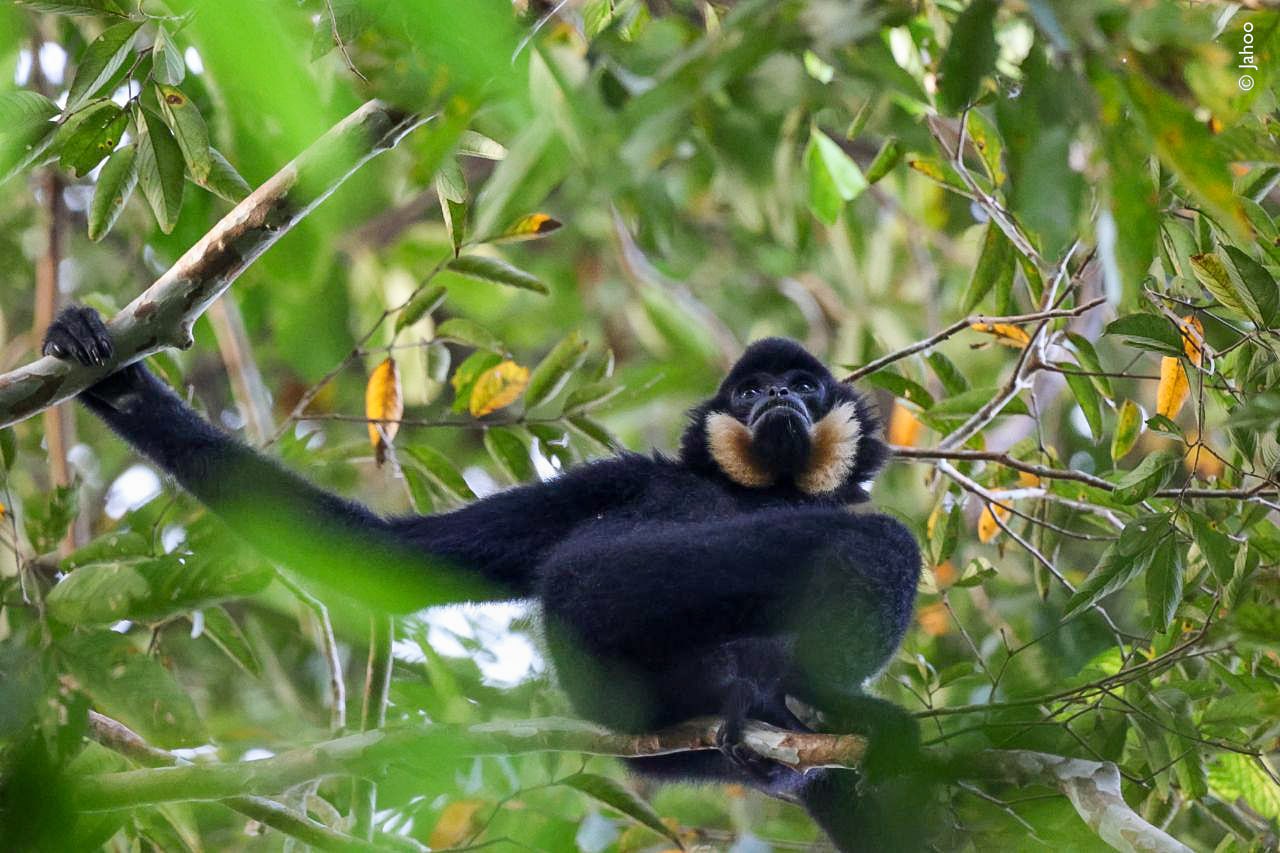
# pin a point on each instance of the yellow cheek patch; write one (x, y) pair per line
(833, 451)
(729, 441)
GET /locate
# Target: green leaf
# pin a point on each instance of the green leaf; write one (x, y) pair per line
(474, 144)
(464, 378)
(100, 61)
(1128, 427)
(221, 628)
(427, 300)
(970, 55)
(1164, 582)
(115, 184)
(28, 131)
(1238, 777)
(184, 119)
(551, 374)
(160, 168)
(90, 135)
(948, 374)
(223, 179)
(833, 177)
(1151, 475)
(75, 7)
(1090, 404)
(1149, 332)
(510, 453)
(116, 545)
(466, 331)
(613, 794)
(1114, 572)
(901, 386)
(1089, 361)
(968, 402)
(1216, 547)
(595, 431)
(994, 265)
(167, 65)
(8, 448)
(989, 144)
(440, 471)
(132, 687)
(497, 271)
(1263, 296)
(886, 158)
(590, 396)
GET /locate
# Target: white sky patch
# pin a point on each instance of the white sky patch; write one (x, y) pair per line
(53, 62)
(173, 536)
(256, 754)
(480, 481)
(194, 63)
(22, 72)
(132, 489)
(506, 657)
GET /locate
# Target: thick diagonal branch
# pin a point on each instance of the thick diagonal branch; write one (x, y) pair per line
(163, 315)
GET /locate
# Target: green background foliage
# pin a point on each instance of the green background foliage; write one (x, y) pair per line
(1101, 564)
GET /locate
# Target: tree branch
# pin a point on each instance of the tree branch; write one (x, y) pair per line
(163, 315)
(1092, 786)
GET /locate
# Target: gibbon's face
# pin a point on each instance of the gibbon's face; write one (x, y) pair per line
(781, 419)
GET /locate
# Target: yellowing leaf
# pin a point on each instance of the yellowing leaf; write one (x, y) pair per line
(934, 619)
(529, 227)
(988, 526)
(1005, 333)
(1203, 462)
(904, 428)
(1192, 341)
(497, 387)
(383, 406)
(455, 825)
(1174, 387)
(1028, 480)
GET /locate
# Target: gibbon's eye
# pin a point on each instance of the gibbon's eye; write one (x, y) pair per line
(804, 386)
(749, 392)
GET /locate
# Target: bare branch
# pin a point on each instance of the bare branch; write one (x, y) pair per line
(163, 315)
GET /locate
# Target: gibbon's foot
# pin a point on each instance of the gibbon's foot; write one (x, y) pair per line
(78, 332)
(741, 756)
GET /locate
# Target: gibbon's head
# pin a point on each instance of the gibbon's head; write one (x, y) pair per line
(780, 419)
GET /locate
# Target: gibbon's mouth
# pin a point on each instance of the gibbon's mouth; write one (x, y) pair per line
(779, 406)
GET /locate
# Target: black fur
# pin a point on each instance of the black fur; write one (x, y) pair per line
(668, 590)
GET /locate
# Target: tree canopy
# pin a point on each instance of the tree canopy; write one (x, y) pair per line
(425, 250)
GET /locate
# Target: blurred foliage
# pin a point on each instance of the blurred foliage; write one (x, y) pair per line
(639, 191)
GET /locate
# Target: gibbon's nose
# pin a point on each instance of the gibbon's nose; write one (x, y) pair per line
(778, 391)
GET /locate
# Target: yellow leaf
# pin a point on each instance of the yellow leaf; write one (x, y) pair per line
(934, 619)
(497, 387)
(383, 406)
(904, 429)
(988, 526)
(1192, 342)
(1005, 333)
(1028, 480)
(529, 227)
(456, 824)
(1174, 388)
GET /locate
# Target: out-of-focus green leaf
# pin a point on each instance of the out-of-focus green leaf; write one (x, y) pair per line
(100, 61)
(1151, 475)
(551, 374)
(427, 300)
(132, 687)
(167, 65)
(497, 271)
(75, 7)
(947, 372)
(437, 467)
(8, 448)
(184, 119)
(469, 332)
(26, 129)
(901, 386)
(970, 55)
(160, 168)
(90, 135)
(886, 158)
(1233, 776)
(115, 184)
(510, 453)
(1128, 427)
(833, 176)
(613, 794)
(990, 147)
(218, 625)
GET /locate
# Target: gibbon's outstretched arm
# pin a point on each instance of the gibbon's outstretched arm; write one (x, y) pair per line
(487, 550)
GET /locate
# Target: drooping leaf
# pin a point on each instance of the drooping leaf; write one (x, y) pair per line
(497, 388)
(1216, 278)
(223, 180)
(100, 61)
(115, 184)
(554, 370)
(475, 144)
(1164, 582)
(1114, 571)
(994, 264)
(530, 227)
(886, 158)
(427, 300)
(1263, 302)
(901, 386)
(1091, 364)
(383, 406)
(510, 453)
(1128, 427)
(1087, 398)
(497, 271)
(160, 168)
(834, 178)
(613, 794)
(1174, 387)
(167, 65)
(1004, 333)
(989, 521)
(441, 471)
(184, 119)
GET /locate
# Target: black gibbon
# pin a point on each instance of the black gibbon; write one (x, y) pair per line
(732, 580)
